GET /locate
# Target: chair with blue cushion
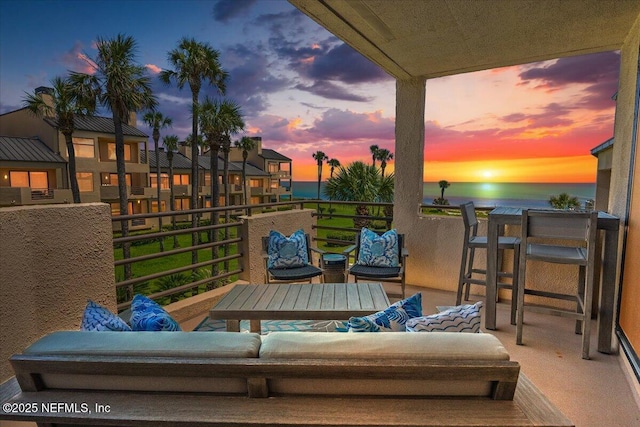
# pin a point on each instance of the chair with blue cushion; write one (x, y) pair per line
(379, 258)
(289, 259)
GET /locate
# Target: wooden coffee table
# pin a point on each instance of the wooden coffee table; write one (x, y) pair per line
(317, 301)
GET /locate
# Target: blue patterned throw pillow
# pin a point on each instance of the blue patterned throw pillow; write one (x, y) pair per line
(99, 318)
(147, 315)
(287, 252)
(392, 319)
(378, 251)
(462, 318)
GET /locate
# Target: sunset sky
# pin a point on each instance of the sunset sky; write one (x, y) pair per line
(304, 90)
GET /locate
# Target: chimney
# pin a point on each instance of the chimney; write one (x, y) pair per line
(46, 93)
(258, 140)
(184, 149)
(132, 119)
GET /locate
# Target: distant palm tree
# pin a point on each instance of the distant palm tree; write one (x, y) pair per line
(171, 145)
(374, 154)
(66, 105)
(334, 163)
(443, 184)
(384, 156)
(194, 63)
(124, 87)
(156, 121)
(564, 201)
(246, 144)
(360, 182)
(320, 157)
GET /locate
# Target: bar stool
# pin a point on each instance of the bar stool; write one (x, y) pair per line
(472, 242)
(576, 233)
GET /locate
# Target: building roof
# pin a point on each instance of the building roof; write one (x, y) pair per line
(101, 125)
(15, 149)
(180, 161)
(274, 155)
(596, 150)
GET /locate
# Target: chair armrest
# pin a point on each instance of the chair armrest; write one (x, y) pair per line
(348, 250)
(404, 253)
(318, 250)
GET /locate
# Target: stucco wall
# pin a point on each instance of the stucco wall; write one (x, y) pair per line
(257, 226)
(52, 259)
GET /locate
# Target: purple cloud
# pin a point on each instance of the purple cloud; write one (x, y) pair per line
(343, 63)
(225, 10)
(330, 90)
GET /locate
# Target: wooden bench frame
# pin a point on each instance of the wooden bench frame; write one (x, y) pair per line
(503, 374)
(514, 400)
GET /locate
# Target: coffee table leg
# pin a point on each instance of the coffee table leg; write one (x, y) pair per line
(233, 325)
(255, 326)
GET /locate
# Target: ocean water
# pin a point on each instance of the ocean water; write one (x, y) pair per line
(526, 195)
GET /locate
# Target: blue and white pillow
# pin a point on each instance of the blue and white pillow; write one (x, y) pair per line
(147, 315)
(378, 251)
(462, 318)
(99, 318)
(287, 252)
(392, 319)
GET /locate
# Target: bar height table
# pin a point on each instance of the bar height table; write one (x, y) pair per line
(609, 223)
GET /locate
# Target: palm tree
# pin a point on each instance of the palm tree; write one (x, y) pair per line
(374, 153)
(384, 156)
(123, 86)
(320, 157)
(171, 145)
(334, 163)
(156, 121)
(360, 182)
(564, 201)
(443, 184)
(246, 144)
(66, 104)
(194, 63)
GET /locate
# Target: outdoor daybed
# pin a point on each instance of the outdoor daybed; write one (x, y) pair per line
(279, 379)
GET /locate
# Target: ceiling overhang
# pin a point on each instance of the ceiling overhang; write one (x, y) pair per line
(434, 38)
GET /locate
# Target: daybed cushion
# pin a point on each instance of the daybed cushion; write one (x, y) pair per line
(99, 318)
(391, 319)
(378, 251)
(184, 345)
(382, 346)
(287, 252)
(462, 318)
(148, 315)
(161, 343)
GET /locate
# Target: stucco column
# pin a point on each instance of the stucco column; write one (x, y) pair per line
(410, 104)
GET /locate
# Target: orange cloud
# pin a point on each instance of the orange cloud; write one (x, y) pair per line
(153, 68)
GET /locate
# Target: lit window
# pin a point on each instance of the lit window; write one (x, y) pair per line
(84, 147)
(85, 181)
(111, 151)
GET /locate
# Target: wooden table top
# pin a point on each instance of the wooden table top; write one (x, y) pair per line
(301, 301)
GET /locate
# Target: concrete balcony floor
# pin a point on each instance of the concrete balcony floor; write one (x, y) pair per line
(591, 393)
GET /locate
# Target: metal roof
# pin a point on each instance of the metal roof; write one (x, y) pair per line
(596, 150)
(15, 149)
(180, 161)
(99, 124)
(274, 155)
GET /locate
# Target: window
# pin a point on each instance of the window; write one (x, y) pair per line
(255, 183)
(84, 147)
(274, 184)
(207, 179)
(164, 181)
(113, 179)
(273, 168)
(85, 181)
(111, 151)
(255, 200)
(181, 179)
(33, 179)
(154, 206)
(181, 204)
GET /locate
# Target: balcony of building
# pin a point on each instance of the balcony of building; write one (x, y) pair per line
(17, 196)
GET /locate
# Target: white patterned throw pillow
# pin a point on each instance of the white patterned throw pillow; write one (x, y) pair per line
(378, 251)
(287, 252)
(462, 318)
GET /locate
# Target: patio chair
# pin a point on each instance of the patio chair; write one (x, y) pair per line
(472, 242)
(302, 272)
(574, 242)
(363, 272)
